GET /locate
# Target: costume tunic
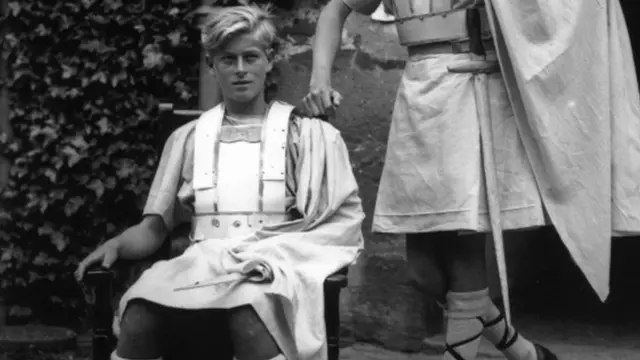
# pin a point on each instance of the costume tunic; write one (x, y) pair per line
(320, 235)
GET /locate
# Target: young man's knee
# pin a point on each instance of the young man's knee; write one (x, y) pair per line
(246, 327)
(141, 331)
(141, 317)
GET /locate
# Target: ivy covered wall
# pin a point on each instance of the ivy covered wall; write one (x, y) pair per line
(84, 81)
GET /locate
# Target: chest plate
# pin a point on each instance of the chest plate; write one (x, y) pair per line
(433, 21)
(239, 178)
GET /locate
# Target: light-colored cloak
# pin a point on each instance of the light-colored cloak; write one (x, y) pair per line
(569, 71)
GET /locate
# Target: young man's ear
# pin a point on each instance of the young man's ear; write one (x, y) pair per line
(209, 61)
(271, 56)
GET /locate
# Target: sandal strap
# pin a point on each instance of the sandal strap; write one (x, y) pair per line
(506, 340)
(504, 344)
(495, 321)
(451, 347)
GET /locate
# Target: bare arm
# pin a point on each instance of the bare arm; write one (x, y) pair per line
(328, 40)
(142, 240)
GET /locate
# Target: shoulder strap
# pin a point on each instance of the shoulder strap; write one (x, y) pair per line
(205, 155)
(207, 135)
(274, 157)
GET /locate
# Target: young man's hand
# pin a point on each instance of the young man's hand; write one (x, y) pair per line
(107, 253)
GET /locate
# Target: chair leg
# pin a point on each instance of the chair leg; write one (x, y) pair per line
(103, 341)
(332, 321)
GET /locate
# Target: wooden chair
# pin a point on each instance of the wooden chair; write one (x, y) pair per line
(101, 281)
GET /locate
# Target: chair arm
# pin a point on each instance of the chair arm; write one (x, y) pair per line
(337, 280)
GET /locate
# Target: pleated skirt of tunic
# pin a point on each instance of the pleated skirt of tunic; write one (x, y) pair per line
(433, 177)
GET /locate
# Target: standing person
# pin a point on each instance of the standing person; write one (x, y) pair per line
(565, 130)
(274, 210)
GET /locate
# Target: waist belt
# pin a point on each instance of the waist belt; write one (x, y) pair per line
(438, 27)
(228, 225)
(449, 47)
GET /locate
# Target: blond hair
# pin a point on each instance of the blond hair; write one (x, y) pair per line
(226, 23)
(223, 24)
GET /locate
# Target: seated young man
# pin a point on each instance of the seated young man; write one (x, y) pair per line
(274, 209)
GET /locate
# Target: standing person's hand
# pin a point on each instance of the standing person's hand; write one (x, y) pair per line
(107, 253)
(322, 100)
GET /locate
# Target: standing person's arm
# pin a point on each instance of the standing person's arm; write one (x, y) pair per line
(322, 96)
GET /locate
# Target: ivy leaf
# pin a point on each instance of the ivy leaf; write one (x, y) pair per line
(15, 7)
(72, 155)
(97, 186)
(103, 125)
(59, 240)
(51, 175)
(68, 71)
(125, 169)
(73, 205)
(174, 38)
(97, 46)
(42, 259)
(46, 229)
(79, 142)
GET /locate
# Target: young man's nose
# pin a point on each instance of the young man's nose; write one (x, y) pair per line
(240, 66)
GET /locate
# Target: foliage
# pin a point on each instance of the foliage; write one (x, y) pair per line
(84, 80)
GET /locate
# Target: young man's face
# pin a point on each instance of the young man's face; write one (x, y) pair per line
(241, 68)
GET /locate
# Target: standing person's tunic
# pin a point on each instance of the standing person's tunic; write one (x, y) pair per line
(569, 157)
(319, 234)
(432, 178)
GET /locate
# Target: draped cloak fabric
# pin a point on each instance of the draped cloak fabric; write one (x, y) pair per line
(301, 253)
(569, 71)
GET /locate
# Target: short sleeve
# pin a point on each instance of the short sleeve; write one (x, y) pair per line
(293, 153)
(366, 7)
(163, 195)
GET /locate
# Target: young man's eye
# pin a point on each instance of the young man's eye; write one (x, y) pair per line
(226, 60)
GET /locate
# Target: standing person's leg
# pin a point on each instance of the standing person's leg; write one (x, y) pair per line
(425, 262)
(468, 296)
(425, 265)
(471, 311)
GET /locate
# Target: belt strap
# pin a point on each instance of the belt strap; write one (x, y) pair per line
(274, 158)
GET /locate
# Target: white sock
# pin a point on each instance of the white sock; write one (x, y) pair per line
(464, 324)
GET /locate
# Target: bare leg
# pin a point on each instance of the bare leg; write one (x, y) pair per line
(426, 263)
(245, 328)
(196, 334)
(141, 331)
(468, 298)
(471, 311)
